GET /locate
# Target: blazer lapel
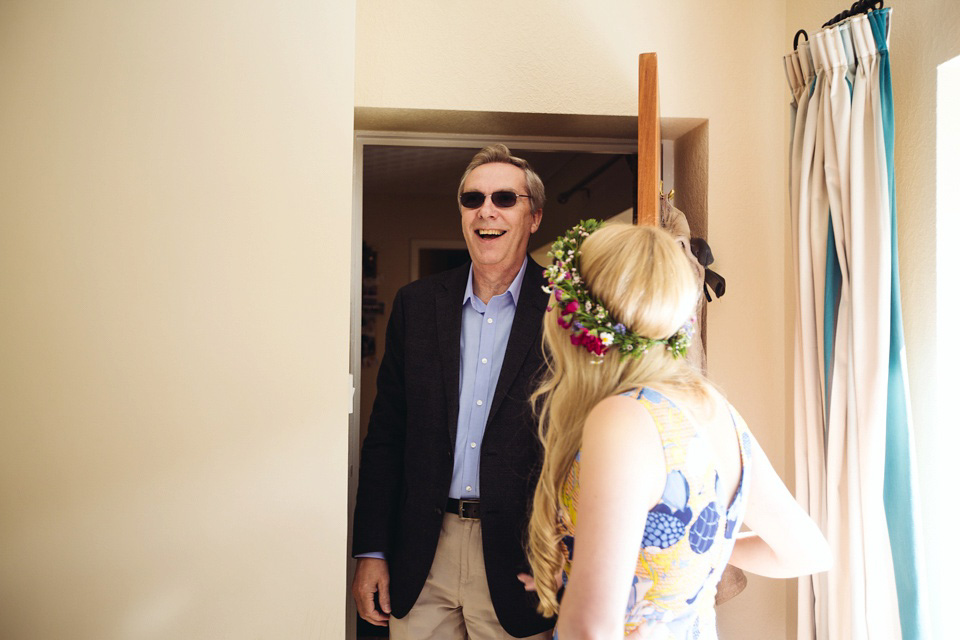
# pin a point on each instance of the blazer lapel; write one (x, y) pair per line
(525, 332)
(449, 319)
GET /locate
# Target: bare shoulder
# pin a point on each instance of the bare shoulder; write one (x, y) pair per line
(621, 436)
(621, 418)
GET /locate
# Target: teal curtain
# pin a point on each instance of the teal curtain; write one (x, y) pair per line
(832, 299)
(900, 486)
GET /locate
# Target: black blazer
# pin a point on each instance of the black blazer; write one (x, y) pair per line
(406, 463)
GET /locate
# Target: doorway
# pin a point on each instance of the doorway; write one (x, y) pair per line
(406, 225)
(405, 211)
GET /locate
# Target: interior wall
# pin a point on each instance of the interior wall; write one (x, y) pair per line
(390, 224)
(173, 180)
(691, 176)
(606, 195)
(577, 58)
(923, 35)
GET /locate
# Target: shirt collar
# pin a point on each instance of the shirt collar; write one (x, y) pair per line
(513, 289)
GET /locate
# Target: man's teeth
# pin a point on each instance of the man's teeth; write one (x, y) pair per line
(490, 233)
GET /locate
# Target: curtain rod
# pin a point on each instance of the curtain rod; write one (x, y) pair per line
(861, 6)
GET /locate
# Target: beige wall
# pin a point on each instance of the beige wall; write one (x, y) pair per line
(173, 351)
(719, 61)
(923, 35)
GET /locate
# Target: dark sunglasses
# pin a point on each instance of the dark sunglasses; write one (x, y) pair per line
(500, 199)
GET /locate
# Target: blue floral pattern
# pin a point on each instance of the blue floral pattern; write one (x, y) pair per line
(667, 522)
(682, 556)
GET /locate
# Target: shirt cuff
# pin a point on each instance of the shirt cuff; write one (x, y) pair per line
(373, 554)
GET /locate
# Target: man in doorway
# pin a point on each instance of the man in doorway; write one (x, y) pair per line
(451, 457)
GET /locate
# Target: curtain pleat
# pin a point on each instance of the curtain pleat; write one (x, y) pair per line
(870, 314)
(808, 397)
(836, 129)
(800, 76)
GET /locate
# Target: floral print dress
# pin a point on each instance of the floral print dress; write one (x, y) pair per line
(689, 534)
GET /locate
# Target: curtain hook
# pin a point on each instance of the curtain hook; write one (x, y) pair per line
(796, 38)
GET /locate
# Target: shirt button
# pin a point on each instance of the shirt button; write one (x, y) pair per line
(473, 445)
(479, 402)
(489, 320)
(483, 360)
(469, 488)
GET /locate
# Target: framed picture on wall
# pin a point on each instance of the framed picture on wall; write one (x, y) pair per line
(428, 257)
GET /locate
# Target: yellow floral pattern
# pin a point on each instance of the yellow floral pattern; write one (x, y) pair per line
(689, 534)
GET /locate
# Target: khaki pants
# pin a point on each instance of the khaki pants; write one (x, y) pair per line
(455, 601)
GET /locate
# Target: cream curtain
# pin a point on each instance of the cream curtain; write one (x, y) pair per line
(844, 261)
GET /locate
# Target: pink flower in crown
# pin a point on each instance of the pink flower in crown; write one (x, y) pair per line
(590, 342)
(565, 319)
(558, 294)
(594, 344)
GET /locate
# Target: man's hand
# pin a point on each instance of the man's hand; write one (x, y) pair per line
(530, 585)
(372, 577)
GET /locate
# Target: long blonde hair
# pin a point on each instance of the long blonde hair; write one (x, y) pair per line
(643, 279)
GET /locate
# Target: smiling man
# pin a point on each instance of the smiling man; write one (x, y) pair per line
(451, 456)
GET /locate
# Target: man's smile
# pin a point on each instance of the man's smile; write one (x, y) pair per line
(489, 234)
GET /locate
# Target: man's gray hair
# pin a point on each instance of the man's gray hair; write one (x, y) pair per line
(500, 153)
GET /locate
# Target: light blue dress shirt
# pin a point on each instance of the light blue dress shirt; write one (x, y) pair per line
(484, 332)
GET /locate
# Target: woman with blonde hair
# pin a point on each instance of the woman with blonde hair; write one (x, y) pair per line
(648, 471)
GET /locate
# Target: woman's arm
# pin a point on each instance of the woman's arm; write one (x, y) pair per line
(622, 475)
(783, 542)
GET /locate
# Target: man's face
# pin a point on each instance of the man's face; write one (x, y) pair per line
(498, 236)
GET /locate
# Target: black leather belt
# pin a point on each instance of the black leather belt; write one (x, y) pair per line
(467, 509)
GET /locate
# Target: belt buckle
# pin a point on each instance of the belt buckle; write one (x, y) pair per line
(460, 504)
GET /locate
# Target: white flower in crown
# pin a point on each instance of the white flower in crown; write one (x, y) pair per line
(606, 338)
(588, 305)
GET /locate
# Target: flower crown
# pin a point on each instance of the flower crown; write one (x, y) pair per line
(593, 327)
